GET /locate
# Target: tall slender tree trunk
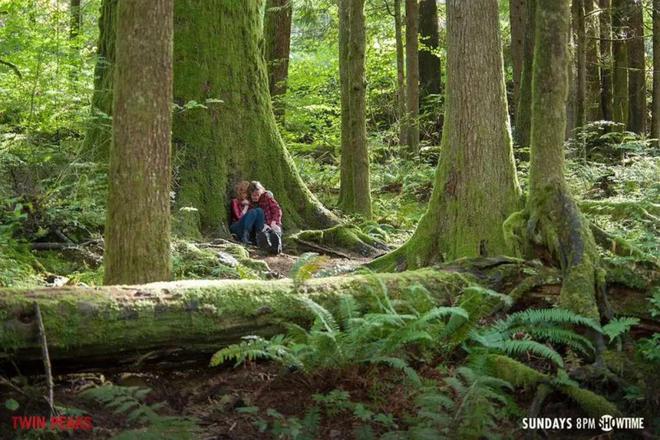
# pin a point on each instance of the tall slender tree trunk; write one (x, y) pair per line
(235, 137)
(475, 184)
(517, 24)
(137, 233)
(571, 100)
(637, 69)
(96, 145)
(524, 105)
(655, 124)
(412, 77)
(354, 191)
(277, 36)
(76, 18)
(592, 35)
(429, 62)
(552, 219)
(581, 61)
(606, 59)
(620, 64)
(400, 73)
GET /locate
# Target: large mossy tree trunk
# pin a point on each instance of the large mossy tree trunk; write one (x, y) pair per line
(277, 36)
(655, 123)
(137, 231)
(412, 77)
(354, 190)
(605, 52)
(517, 25)
(551, 220)
(476, 187)
(430, 76)
(636, 68)
(524, 103)
(620, 62)
(218, 56)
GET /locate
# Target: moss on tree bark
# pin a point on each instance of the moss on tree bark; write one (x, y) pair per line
(354, 190)
(551, 219)
(137, 231)
(476, 187)
(218, 55)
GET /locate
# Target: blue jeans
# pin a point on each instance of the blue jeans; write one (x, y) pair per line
(252, 222)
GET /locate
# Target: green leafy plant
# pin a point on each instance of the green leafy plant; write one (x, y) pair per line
(130, 401)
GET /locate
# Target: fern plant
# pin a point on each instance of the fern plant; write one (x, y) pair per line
(523, 332)
(129, 401)
(350, 338)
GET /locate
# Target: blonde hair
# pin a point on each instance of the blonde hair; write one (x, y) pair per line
(241, 189)
(255, 185)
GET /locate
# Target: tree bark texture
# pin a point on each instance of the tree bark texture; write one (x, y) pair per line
(592, 45)
(412, 77)
(430, 76)
(400, 73)
(137, 231)
(620, 30)
(476, 187)
(354, 191)
(524, 104)
(606, 59)
(277, 36)
(655, 124)
(517, 10)
(636, 68)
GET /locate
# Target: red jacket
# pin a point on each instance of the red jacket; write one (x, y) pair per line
(271, 208)
(236, 210)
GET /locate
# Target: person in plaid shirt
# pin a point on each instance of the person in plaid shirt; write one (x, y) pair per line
(264, 199)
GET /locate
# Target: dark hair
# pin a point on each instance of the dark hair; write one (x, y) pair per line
(254, 186)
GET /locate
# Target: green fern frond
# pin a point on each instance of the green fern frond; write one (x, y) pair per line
(618, 326)
(306, 266)
(519, 347)
(398, 364)
(322, 315)
(563, 337)
(546, 316)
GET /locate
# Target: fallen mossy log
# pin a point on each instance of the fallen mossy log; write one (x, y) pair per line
(123, 326)
(340, 241)
(125, 323)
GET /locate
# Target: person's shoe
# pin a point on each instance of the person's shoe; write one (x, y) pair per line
(245, 239)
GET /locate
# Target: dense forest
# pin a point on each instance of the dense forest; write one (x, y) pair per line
(329, 219)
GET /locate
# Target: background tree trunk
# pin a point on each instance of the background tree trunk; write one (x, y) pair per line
(354, 191)
(277, 35)
(524, 105)
(96, 145)
(580, 39)
(429, 63)
(620, 55)
(605, 20)
(592, 36)
(76, 18)
(517, 23)
(412, 77)
(655, 124)
(475, 185)
(137, 232)
(236, 139)
(400, 75)
(552, 219)
(637, 68)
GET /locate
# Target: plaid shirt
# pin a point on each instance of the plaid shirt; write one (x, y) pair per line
(271, 208)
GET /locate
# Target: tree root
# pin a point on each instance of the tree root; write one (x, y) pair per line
(341, 240)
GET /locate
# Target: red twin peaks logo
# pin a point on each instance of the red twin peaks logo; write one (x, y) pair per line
(56, 423)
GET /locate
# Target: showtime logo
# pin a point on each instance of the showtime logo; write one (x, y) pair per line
(57, 423)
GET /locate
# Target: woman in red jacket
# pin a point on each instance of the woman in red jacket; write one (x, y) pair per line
(245, 220)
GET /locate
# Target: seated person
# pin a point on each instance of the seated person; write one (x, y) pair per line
(245, 220)
(271, 237)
